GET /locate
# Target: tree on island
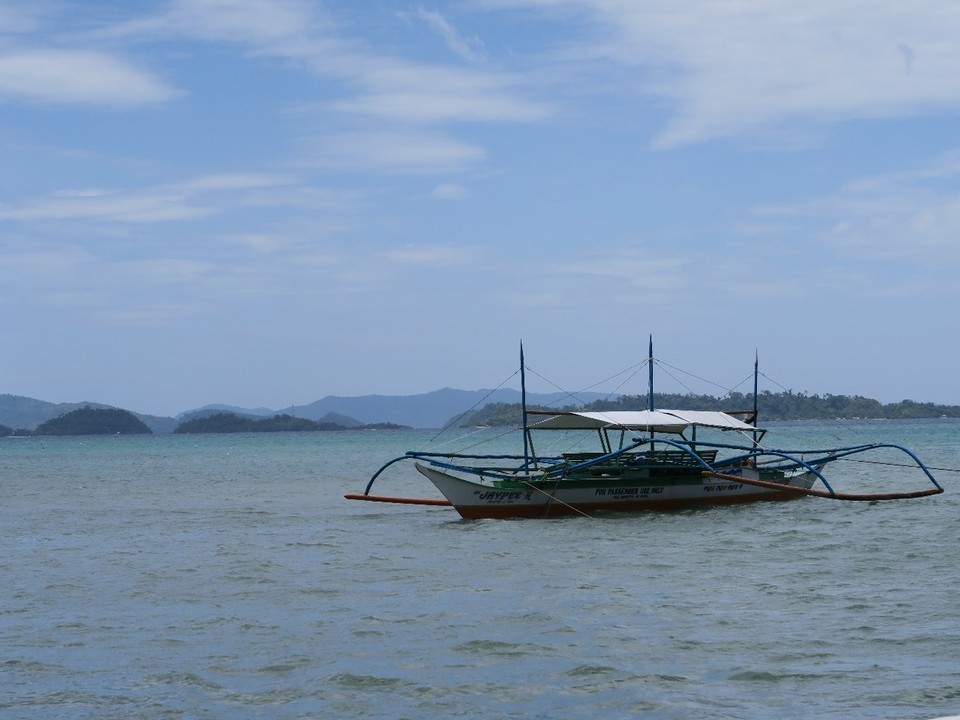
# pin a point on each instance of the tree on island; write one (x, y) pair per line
(772, 406)
(227, 422)
(94, 421)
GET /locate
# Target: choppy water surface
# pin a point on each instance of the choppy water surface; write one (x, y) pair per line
(226, 577)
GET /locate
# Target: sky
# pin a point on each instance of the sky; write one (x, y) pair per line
(263, 202)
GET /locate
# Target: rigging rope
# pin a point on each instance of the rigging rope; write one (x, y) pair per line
(662, 364)
(573, 395)
(462, 415)
(902, 465)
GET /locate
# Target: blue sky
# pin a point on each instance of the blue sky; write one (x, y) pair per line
(263, 202)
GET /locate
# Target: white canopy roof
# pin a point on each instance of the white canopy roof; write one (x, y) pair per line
(674, 421)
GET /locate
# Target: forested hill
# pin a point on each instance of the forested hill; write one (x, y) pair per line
(233, 423)
(771, 406)
(94, 421)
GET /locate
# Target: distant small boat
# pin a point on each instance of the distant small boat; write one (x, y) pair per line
(645, 460)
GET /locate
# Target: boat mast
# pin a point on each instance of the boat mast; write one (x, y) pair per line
(650, 382)
(756, 373)
(523, 402)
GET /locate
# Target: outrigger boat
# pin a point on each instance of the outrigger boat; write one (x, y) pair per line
(646, 460)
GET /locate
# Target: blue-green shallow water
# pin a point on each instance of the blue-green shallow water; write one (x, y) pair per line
(226, 577)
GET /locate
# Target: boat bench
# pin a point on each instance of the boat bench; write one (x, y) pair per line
(653, 457)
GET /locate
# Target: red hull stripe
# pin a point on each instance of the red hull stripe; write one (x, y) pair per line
(479, 512)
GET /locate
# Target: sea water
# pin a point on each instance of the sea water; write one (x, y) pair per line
(225, 576)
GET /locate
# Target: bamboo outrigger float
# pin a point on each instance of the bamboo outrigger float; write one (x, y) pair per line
(646, 460)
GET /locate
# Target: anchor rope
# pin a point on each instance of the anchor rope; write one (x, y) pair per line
(555, 498)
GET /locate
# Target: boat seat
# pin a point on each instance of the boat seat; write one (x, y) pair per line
(672, 457)
(654, 457)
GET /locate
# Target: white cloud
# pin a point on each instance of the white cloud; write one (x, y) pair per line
(398, 152)
(377, 84)
(374, 85)
(132, 207)
(432, 255)
(15, 18)
(272, 24)
(469, 49)
(901, 221)
(53, 264)
(234, 181)
(261, 243)
(627, 268)
(450, 191)
(183, 200)
(396, 89)
(431, 104)
(74, 280)
(734, 68)
(78, 76)
(162, 271)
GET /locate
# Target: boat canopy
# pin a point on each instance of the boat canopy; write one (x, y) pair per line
(671, 421)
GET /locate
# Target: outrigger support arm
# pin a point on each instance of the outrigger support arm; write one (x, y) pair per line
(823, 493)
(365, 495)
(434, 458)
(830, 493)
(366, 490)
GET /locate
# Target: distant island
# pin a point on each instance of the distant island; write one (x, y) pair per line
(94, 421)
(227, 422)
(112, 421)
(23, 416)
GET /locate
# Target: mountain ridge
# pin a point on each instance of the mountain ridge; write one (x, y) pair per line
(432, 409)
(437, 408)
(424, 410)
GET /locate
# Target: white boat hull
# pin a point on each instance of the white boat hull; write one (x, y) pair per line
(474, 500)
